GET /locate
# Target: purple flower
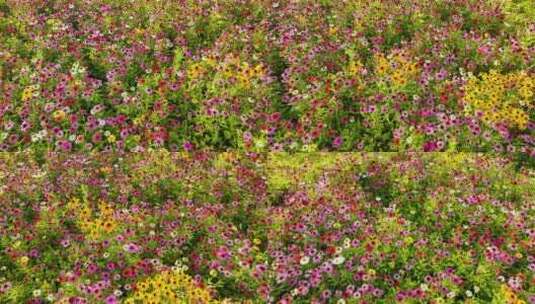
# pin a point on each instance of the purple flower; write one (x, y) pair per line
(441, 75)
(131, 248)
(337, 142)
(223, 253)
(188, 146)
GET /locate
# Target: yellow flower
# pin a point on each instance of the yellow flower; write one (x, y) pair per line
(383, 66)
(111, 138)
(24, 260)
(511, 297)
(171, 287)
(333, 30)
(29, 92)
(260, 70)
(354, 67)
(501, 98)
(109, 226)
(106, 170)
(59, 115)
(195, 70)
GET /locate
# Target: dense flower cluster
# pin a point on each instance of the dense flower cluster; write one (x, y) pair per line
(160, 227)
(94, 228)
(502, 99)
(288, 75)
(187, 151)
(170, 287)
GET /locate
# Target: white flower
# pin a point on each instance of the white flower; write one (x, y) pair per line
(37, 293)
(424, 287)
(304, 260)
(338, 260)
(451, 294)
(476, 289)
(36, 137)
(469, 293)
(341, 301)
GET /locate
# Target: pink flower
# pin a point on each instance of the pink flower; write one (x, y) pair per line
(223, 253)
(188, 146)
(337, 142)
(131, 248)
(64, 145)
(65, 243)
(111, 300)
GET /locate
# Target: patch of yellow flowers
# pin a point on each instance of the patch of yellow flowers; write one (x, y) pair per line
(399, 69)
(30, 92)
(244, 72)
(354, 70)
(509, 295)
(98, 227)
(501, 98)
(172, 286)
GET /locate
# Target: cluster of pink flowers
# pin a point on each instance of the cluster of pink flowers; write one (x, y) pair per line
(258, 75)
(359, 228)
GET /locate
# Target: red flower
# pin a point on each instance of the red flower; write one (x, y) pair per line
(331, 250)
(129, 272)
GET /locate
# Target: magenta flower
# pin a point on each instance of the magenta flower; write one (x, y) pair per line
(223, 253)
(131, 248)
(112, 299)
(337, 142)
(188, 146)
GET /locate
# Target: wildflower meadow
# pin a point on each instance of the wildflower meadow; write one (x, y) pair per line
(267, 151)
(167, 227)
(268, 75)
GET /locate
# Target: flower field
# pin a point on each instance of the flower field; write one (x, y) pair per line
(267, 151)
(164, 227)
(268, 75)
